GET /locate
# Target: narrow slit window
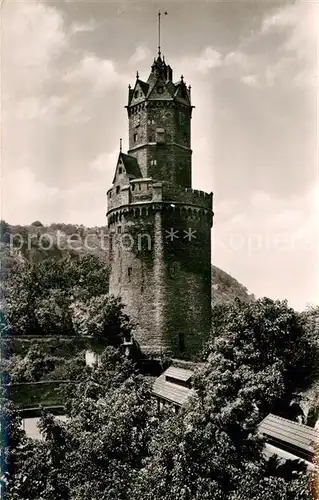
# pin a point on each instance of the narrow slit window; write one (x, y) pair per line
(160, 135)
(181, 342)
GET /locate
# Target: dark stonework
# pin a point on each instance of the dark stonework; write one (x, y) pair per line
(160, 244)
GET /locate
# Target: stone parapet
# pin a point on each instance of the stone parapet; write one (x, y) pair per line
(141, 191)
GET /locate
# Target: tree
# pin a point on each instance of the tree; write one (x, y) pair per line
(5, 232)
(266, 345)
(37, 296)
(37, 223)
(100, 449)
(115, 445)
(53, 313)
(101, 318)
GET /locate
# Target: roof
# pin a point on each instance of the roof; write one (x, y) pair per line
(283, 456)
(130, 164)
(290, 434)
(173, 392)
(178, 373)
(144, 86)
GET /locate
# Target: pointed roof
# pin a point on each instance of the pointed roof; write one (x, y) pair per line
(144, 86)
(131, 166)
(161, 75)
(160, 69)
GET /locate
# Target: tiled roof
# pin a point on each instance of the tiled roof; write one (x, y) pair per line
(293, 434)
(131, 165)
(178, 373)
(169, 391)
(144, 86)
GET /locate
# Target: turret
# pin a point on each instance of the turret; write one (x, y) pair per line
(159, 113)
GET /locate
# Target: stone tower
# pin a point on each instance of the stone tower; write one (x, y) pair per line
(160, 228)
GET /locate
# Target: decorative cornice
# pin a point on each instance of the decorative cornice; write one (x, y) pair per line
(155, 205)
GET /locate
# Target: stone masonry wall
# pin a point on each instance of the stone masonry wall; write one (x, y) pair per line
(173, 155)
(164, 282)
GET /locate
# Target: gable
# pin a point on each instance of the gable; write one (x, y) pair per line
(160, 90)
(119, 169)
(139, 92)
(181, 93)
(127, 167)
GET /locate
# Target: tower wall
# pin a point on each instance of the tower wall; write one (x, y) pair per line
(164, 281)
(171, 149)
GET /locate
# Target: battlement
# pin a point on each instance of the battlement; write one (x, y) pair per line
(188, 196)
(147, 190)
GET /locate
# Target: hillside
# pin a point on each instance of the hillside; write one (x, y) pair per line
(225, 288)
(37, 242)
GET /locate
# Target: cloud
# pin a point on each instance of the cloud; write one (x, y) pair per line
(33, 107)
(106, 162)
(141, 54)
(99, 73)
(208, 60)
(297, 24)
(272, 238)
(20, 188)
(79, 204)
(257, 62)
(33, 35)
(250, 80)
(77, 27)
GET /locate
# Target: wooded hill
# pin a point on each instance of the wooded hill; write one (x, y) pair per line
(37, 242)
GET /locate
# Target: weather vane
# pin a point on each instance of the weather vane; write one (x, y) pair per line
(159, 31)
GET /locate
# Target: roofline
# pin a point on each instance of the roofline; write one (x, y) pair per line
(166, 399)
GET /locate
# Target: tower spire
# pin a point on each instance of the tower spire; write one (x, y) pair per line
(159, 31)
(121, 145)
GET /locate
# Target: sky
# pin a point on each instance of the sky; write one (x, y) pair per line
(253, 68)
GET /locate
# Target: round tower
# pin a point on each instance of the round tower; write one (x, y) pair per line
(160, 228)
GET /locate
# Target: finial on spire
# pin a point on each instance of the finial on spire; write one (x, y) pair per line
(182, 78)
(121, 145)
(137, 75)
